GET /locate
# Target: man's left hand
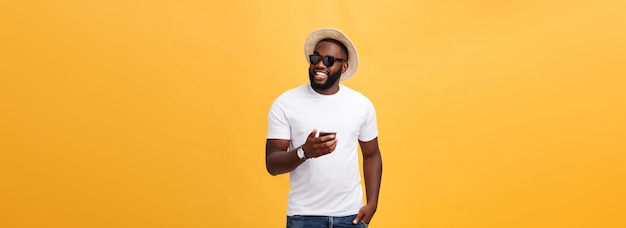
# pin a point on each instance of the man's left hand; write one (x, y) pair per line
(365, 214)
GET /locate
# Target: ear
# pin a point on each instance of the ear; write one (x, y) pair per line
(344, 67)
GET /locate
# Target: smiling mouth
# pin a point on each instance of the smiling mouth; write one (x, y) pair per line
(320, 75)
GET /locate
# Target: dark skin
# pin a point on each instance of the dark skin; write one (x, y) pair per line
(280, 159)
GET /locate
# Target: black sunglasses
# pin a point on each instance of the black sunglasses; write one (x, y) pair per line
(327, 60)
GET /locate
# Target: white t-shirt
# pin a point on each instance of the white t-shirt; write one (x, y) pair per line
(329, 185)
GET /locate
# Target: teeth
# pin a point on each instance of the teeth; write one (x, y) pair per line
(320, 73)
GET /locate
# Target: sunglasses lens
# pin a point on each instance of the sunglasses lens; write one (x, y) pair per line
(328, 61)
(315, 59)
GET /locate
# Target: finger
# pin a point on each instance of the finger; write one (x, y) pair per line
(331, 144)
(366, 219)
(327, 138)
(358, 218)
(325, 147)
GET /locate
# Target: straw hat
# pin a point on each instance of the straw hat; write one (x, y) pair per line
(323, 33)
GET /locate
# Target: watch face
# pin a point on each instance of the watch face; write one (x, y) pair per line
(300, 153)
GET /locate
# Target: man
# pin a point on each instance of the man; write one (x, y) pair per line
(324, 170)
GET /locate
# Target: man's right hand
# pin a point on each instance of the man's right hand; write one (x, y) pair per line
(319, 146)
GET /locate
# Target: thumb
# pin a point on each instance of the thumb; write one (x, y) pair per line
(313, 133)
(358, 218)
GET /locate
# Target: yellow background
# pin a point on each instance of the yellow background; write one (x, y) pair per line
(153, 113)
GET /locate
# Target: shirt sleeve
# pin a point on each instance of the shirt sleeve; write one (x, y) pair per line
(369, 129)
(278, 123)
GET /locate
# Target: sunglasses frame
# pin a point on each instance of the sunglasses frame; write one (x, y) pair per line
(327, 60)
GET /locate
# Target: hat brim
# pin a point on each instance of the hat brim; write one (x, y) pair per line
(324, 33)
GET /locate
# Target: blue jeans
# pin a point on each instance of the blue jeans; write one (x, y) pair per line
(300, 221)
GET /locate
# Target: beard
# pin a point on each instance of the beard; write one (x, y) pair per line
(330, 81)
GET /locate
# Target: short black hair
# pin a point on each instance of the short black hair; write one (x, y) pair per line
(343, 47)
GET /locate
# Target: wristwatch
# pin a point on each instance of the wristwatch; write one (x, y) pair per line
(300, 153)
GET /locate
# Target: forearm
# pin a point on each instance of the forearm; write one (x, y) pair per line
(372, 172)
(279, 162)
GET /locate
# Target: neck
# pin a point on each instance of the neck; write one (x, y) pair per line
(330, 91)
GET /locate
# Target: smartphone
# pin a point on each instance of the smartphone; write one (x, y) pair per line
(325, 133)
